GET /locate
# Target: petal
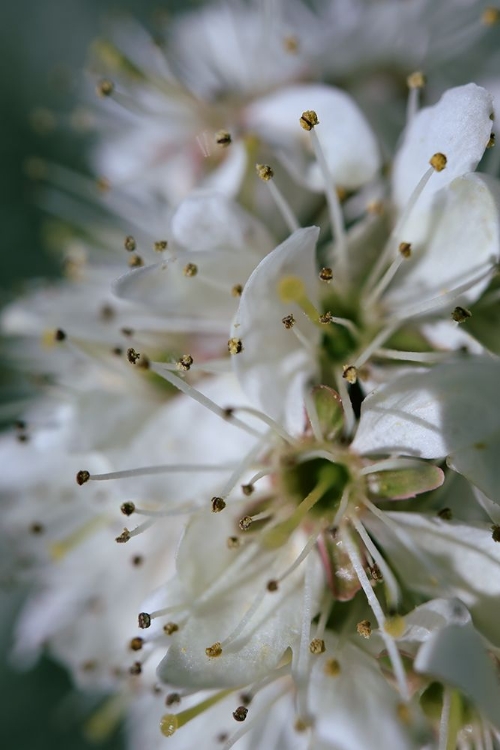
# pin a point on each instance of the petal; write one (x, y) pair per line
(426, 414)
(445, 558)
(457, 240)
(480, 465)
(459, 126)
(274, 364)
(349, 145)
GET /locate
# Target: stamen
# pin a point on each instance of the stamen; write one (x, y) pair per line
(266, 174)
(393, 592)
(170, 723)
(300, 667)
(240, 468)
(84, 476)
(256, 719)
(394, 655)
(350, 417)
(386, 279)
(189, 390)
(382, 336)
(429, 358)
(415, 82)
(444, 724)
(275, 427)
(300, 559)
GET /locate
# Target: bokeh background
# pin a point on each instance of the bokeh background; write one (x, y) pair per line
(44, 46)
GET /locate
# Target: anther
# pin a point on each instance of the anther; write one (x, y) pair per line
(172, 698)
(135, 261)
(144, 620)
(291, 44)
(123, 537)
(272, 585)
(127, 508)
(326, 318)
(309, 119)
(376, 573)
(218, 504)
(240, 714)
(317, 646)
(129, 243)
(350, 373)
(438, 161)
(136, 643)
(364, 628)
(245, 523)
(332, 668)
(82, 477)
(105, 87)
(491, 141)
(137, 560)
(234, 346)
(59, 335)
(190, 270)
(495, 532)
(446, 514)
(36, 528)
(248, 489)
(233, 542)
(214, 651)
(461, 314)
(288, 321)
(416, 80)
(223, 138)
(127, 331)
(405, 249)
(326, 274)
(160, 246)
(237, 290)
(133, 356)
(106, 313)
(103, 184)
(490, 16)
(264, 171)
(184, 363)
(136, 668)
(170, 628)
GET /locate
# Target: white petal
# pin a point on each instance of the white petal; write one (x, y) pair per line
(433, 413)
(457, 240)
(274, 365)
(480, 465)
(349, 145)
(459, 126)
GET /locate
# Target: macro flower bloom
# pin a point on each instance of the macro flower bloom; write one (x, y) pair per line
(304, 572)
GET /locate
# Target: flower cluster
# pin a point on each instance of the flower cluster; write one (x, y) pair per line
(273, 347)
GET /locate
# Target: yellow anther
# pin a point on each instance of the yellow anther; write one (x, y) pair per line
(490, 16)
(264, 171)
(308, 119)
(364, 628)
(438, 161)
(416, 80)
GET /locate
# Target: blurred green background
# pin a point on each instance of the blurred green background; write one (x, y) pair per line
(44, 46)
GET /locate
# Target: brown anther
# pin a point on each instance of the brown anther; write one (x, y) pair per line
(160, 246)
(117, 351)
(461, 314)
(288, 321)
(20, 424)
(135, 261)
(302, 725)
(234, 346)
(172, 698)
(376, 573)
(37, 528)
(228, 412)
(446, 514)
(223, 138)
(264, 171)
(350, 373)
(124, 537)
(237, 290)
(214, 651)
(326, 318)
(105, 87)
(233, 542)
(129, 243)
(240, 714)
(106, 313)
(82, 477)
(133, 356)
(332, 668)
(291, 44)
(309, 119)
(495, 532)
(222, 737)
(170, 628)
(218, 504)
(184, 363)
(190, 270)
(272, 585)
(364, 628)
(245, 523)
(326, 274)
(23, 437)
(89, 666)
(248, 489)
(438, 161)
(376, 208)
(144, 620)
(136, 643)
(405, 249)
(490, 16)
(416, 80)
(136, 668)
(103, 184)
(127, 508)
(317, 646)
(492, 141)
(137, 560)
(59, 335)
(128, 332)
